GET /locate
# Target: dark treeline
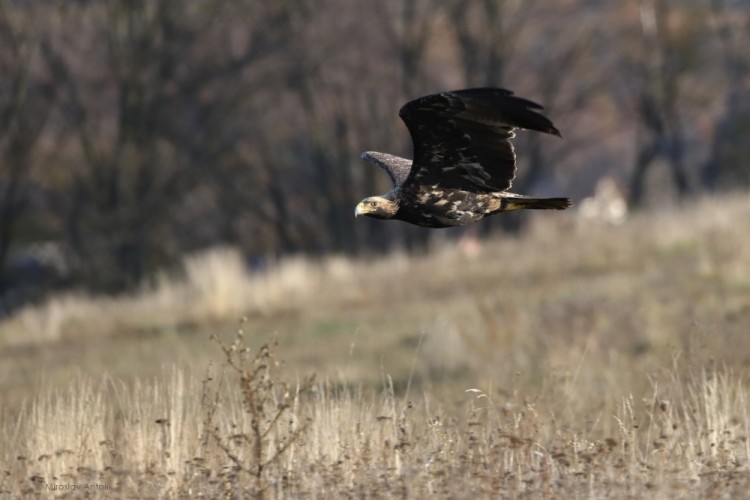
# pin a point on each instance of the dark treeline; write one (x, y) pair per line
(134, 131)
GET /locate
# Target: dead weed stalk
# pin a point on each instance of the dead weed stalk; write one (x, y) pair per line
(266, 437)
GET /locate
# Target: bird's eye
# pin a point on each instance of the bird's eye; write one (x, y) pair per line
(373, 204)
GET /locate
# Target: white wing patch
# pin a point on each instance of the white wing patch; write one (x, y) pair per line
(426, 196)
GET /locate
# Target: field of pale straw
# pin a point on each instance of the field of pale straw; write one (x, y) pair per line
(581, 358)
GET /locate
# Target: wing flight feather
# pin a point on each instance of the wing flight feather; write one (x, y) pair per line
(397, 168)
(462, 138)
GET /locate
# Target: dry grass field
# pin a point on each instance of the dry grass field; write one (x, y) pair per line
(580, 359)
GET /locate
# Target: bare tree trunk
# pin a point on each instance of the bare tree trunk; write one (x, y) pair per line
(726, 167)
(167, 126)
(23, 115)
(487, 32)
(660, 67)
(645, 156)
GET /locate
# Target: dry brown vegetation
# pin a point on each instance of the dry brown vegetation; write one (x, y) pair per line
(579, 359)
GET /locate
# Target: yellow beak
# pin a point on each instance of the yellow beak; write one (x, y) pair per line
(360, 210)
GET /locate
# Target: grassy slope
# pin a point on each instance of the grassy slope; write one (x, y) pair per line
(599, 360)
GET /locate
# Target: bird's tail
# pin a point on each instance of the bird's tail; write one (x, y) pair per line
(517, 202)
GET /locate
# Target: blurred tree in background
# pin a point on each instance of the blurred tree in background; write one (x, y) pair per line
(26, 100)
(728, 163)
(133, 131)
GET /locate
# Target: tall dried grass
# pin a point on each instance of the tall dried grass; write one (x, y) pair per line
(579, 359)
(244, 431)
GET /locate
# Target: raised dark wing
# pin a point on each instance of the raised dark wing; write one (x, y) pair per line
(462, 138)
(398, 168)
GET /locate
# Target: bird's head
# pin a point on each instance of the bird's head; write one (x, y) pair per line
(376, 206)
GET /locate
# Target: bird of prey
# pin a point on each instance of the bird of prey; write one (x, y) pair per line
(464, 161)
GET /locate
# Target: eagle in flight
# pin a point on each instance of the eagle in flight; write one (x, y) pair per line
(464, 161)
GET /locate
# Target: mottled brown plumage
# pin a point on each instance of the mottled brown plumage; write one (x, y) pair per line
(463, 162)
